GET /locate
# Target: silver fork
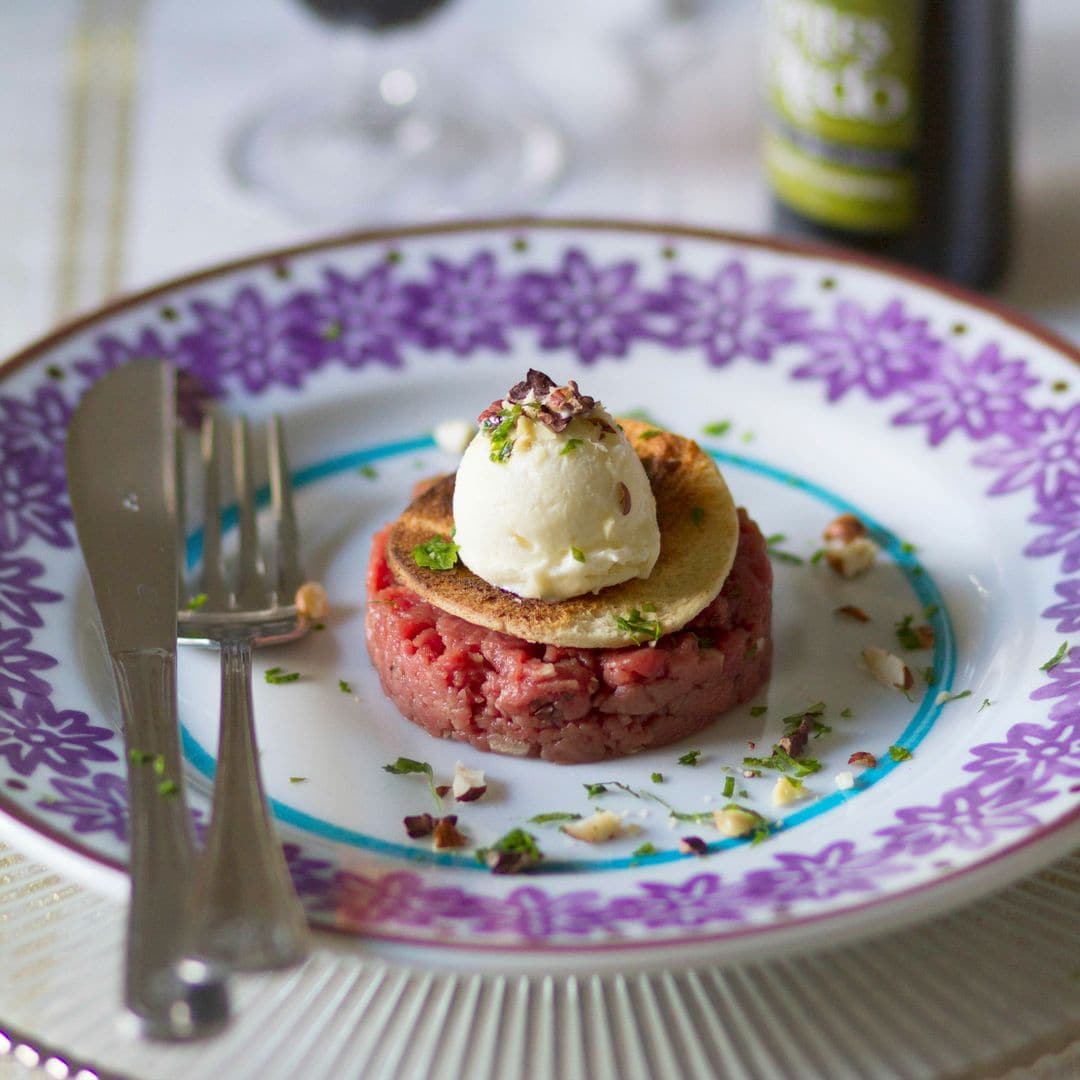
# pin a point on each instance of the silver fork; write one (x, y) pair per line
(245, 912)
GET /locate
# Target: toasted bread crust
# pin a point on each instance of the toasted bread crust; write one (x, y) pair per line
(699, 533)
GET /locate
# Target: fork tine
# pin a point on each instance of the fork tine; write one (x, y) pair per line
(289, 575)
(213, 581)
(251, 589)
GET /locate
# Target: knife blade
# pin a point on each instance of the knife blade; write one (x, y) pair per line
(122, 485)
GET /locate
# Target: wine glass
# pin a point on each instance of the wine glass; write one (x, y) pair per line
(399, 130)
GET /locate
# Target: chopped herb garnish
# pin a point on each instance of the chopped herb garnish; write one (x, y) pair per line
(515, 851)
(318, 626)
(554, 815)
(930, 611)
(697, 515)
(717, 428)
(758, 710)
(759, 836)
(502, 443)
(404, 766)
(639, 628)
(846, 713)
(657, 778)
(651, 433)
(913, 637)
(140, 757)
(747, 436)
(781, 556)
(986, 703)
(1056, 658)
(783, 762)
(907, 548)
(332, 331)
(369, 471)
(344, 687)
(577, 553)
(298, 779)
(929, 676)
(197, 601)
(690, 757)
(944, 698)
(817, 556)
(569, 446)
(438, 553)
(168, 787)
(704, 641)
(54, 372)
(277, 675)
(729, 787)
(159, 764)
(648, 848)
(599, 789)
(899, 753)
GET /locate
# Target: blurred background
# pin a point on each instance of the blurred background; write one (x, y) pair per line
(141, 139)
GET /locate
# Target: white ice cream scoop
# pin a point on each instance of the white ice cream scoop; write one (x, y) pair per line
(551, 510)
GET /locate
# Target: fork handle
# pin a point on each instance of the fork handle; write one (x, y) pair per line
(246, 913)
(172, 997)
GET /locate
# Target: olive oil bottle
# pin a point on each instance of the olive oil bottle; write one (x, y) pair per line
(888, 128)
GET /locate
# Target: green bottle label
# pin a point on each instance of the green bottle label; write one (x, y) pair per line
(843, 87)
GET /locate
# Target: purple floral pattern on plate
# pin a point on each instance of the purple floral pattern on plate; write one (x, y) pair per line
(63, 742)
(260, 338)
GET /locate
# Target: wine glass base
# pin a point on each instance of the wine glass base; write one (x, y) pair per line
(399, 147)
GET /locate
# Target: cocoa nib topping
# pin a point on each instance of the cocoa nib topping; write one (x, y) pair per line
(693, 845)
(535, 382)
(622, 493)
(554, 406)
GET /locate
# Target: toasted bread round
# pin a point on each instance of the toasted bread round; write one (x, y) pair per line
(699, 532)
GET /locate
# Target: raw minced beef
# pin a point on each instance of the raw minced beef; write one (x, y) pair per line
(570, 705)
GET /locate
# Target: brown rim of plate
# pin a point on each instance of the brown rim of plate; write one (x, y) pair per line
(802, 248)
(699, 530)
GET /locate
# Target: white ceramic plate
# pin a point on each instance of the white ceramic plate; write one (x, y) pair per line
(952, 429)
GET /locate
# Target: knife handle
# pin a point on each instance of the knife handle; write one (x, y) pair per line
(173, 997)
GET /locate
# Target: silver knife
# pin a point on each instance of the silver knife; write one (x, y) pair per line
(122, 483)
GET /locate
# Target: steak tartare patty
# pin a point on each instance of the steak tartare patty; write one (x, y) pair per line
(571, 705)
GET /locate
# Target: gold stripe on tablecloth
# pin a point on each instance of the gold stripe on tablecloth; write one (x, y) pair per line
(102, 77)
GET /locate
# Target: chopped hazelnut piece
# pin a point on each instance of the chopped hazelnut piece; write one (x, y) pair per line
(312, 602)
(468, 783)
(863, 758)
(693, 845)
(447, 834)
(417, 825)
(795, 743)
(850, 611)
(785, 791)
(845, 781)
(509, 862)
(844, 529)
(887, 668)
(601, 826)
(734, 821)
(853, 557)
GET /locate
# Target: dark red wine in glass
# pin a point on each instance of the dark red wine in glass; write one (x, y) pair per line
(373, 14)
